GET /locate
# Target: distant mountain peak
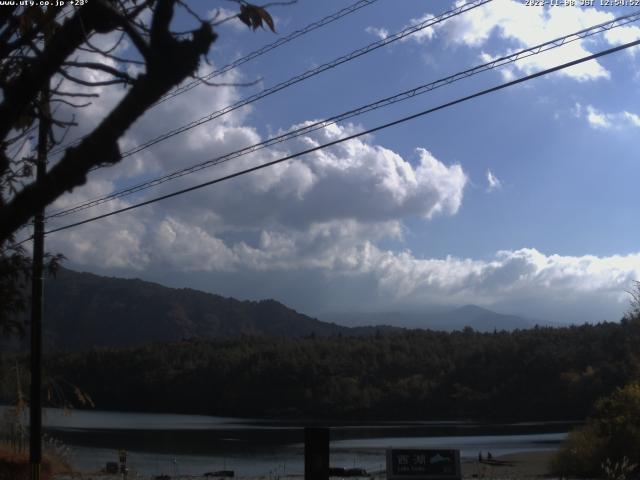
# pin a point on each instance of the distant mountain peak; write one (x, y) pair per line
(85, 310)
(455, 318)
(471, 308)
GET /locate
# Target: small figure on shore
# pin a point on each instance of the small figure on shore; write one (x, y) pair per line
(489, 456)
(480, 457)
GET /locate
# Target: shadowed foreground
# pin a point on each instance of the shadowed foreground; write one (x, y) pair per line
(524, 465)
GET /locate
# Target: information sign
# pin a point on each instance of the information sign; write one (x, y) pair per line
(417, 464)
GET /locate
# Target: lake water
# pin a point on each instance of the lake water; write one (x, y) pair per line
(193, 444)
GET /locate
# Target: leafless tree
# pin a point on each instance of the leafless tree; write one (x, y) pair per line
(634, 303)
(43, 66)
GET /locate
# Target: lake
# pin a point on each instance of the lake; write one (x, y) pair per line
(195, 444)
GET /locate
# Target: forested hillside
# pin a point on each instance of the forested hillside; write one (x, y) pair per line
(85, 310)
(541, 373)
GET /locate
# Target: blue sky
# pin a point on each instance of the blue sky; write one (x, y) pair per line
(523, 201)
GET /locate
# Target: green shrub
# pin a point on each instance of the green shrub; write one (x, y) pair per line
(580, 455)
(609, 444)
(617, 420)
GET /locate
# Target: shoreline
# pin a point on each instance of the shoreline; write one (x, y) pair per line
(532, 464)
(521, 465)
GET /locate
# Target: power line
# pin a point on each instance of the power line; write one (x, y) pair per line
(356, 135)
(310, 73)
(525, 53)
(272, 46)
(250, 56)
(307, 74)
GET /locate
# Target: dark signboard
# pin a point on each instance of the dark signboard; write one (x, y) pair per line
(122, 455)
(428, 464)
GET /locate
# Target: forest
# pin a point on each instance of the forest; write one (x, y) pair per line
(534, 374)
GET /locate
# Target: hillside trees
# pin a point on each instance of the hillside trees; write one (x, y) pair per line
(53, 59)
(537, 374)
(610, 441)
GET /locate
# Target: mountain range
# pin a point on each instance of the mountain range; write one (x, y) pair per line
(478, 318)
(84, 310)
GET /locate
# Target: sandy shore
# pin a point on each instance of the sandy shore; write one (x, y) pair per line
(524, 465)
(516, 465)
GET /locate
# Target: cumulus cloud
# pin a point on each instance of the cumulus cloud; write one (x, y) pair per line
(344, 255)
(355, 187)
(511, 278)
(381, 33)
(509, 273)
(597, 119)
(607, 121)
(326, 214)
(523, 26)
(350, 190)
(493, 182)
(626, 34)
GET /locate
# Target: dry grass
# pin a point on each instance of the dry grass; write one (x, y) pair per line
(15, 465)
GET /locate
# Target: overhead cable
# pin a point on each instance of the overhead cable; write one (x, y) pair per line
(405, 95)
(267, 48)
(250, 56)
(307, 74)
(354, 136)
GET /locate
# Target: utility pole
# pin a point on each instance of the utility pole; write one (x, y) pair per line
(37, 291)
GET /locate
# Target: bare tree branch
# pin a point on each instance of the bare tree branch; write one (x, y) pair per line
(170, 61)
(111, 56)
(74, 94)
(63, 42)
(86, 83)
(74, 105)
(101, 66)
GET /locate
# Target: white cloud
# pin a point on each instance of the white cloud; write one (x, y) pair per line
(356, 188)
(345, 256)
(510, 273)
(626, 34)
(353, 187)
(597, 119)
(354, 180)
(493, 182)
(631, 118)
(326, 214)
(513, 277)
(607, 121)
(381, 33)
(423, 35)
(577, 110)
(525, 26)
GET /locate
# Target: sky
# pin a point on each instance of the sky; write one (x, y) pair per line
(523, 201)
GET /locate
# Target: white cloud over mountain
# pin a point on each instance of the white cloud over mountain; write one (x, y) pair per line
(331, 214)
(303, 212)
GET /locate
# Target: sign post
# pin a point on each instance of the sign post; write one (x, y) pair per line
(122, 454)
(316, 453)
(433, 464)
